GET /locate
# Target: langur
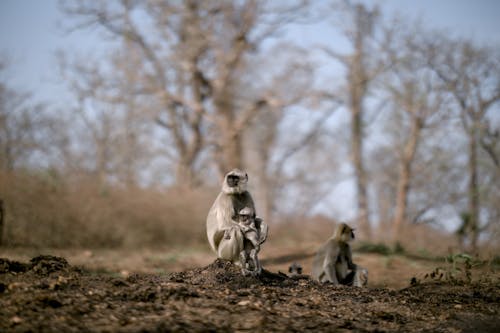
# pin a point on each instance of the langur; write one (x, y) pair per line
(250, 227)
(333, 261)
(224, 234)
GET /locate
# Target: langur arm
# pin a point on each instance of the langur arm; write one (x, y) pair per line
(351, 265)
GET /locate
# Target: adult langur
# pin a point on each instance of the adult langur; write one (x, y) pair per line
(333, 261)
(224, 234)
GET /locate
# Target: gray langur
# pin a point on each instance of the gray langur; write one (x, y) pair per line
(224, 234)
(254, 233)
(333, 261)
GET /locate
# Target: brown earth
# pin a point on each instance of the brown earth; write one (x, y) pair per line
(47, 294)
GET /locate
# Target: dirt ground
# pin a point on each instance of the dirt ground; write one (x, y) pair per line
(48, 294)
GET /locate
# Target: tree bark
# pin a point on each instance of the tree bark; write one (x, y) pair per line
(358, 85)
(403, 186)
(2, 214)
(357, 159)
(473, 191)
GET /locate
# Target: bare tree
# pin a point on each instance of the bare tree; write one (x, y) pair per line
(362, 68)
(470, 74)
(21, 124)
(418, 103)
(193, 57)
(287, 163)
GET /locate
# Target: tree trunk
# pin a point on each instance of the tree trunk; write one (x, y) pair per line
(2, 214)
(233, 151)
(473, 191)
(358, 85)
(357, 159)
(184, 177)
(403, 186)
(229, 145)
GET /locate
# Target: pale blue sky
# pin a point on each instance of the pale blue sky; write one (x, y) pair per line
(29, 34)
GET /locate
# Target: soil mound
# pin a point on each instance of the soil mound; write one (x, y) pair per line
(42, 265)
(224, 273)
(49, 295)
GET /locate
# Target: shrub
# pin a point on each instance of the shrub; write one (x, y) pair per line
(378, 248)
(43, 210)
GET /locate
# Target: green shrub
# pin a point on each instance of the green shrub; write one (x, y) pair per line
(378, 248)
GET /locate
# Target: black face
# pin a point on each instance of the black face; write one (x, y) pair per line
(232, 180)
(244, 218)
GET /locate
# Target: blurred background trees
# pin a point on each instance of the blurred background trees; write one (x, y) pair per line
(185, 91)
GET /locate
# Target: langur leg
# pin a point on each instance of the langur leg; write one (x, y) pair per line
(263, 232)
(330, 275)
(231, 245)
(257, 269)
(244, 263)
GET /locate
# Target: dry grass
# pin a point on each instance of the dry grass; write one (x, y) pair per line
(44, 211)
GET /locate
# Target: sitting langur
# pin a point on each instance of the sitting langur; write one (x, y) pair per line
(224, 235)
(250, 227)
(333, 262)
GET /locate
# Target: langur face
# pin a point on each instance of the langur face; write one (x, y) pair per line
(232, 180)
(235, 182)
(244, 218)
(345, 233)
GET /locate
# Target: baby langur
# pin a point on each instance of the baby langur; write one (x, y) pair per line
(250, 226)
(333, 261)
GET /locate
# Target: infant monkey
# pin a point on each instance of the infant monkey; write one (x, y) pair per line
(250, 226)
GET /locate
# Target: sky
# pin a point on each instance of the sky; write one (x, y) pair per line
(31, 34)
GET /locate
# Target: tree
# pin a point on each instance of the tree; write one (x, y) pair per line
(362, 69)
(470, 74)
(22, 123)
(193, 56)
(418, 104)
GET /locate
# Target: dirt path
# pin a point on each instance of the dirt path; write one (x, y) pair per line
(49, 295)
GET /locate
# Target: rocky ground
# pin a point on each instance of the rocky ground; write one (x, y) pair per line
(47, 294)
